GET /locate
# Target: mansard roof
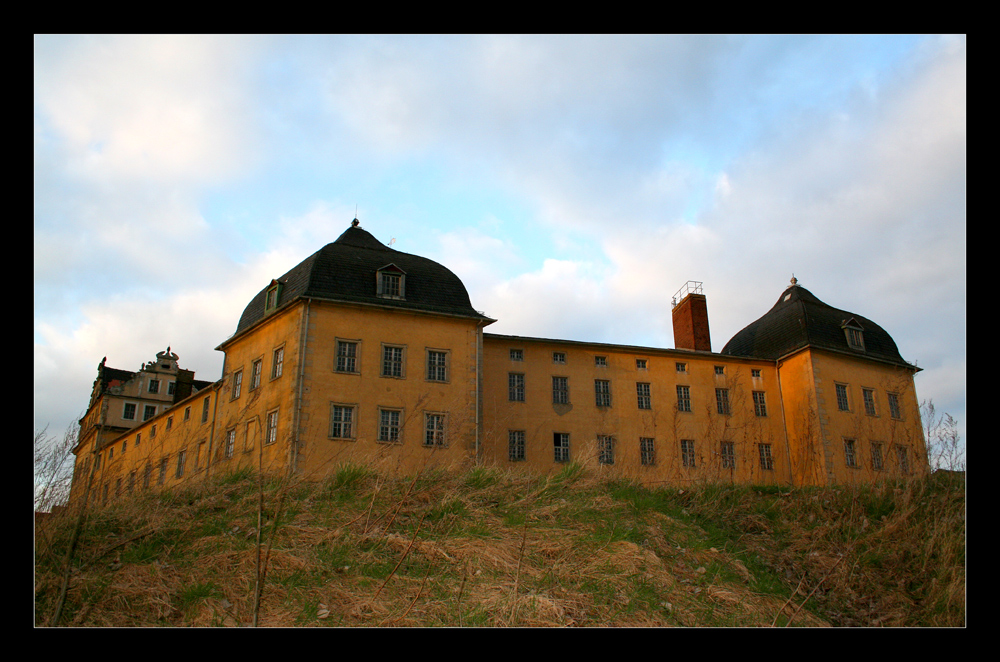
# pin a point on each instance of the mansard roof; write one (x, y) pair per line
(799, 319)
(347, 271)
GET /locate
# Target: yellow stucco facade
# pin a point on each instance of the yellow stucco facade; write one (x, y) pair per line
(365, 355)
(654, 415)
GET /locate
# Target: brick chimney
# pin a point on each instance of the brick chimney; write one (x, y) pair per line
(691, 318)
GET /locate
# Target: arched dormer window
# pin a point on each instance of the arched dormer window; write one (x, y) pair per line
(273, 296)
(854, 333)
(391, 282)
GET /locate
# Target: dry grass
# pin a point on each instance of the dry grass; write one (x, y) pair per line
(493, 549)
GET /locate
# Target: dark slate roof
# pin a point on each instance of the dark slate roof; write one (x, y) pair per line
(798, 320)
(345, 271)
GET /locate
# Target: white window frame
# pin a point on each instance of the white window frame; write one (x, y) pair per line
(435, 429)
(605, 449)
(515, 386)
(644, 397)
(390, 425)
(647, 451)
(271, 429)
(342, 420)
(683, 398)
(602, 392)
(560, 390)
(393, 361)
(438, 362)
(277, 362)
(348, 356)
(516, 451)
(687, 453)
(561, 447)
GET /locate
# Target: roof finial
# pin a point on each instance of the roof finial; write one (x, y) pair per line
(355, 223)
(794, 279)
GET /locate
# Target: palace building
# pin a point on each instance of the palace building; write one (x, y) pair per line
(369, 355)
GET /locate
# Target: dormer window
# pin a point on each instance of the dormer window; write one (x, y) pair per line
(273, 296)
(853, 330)
(391, 282)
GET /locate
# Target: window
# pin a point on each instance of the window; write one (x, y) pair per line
(720, 370)
(152, 432)
(391, 282)
(602, 391)
(171, 388)
(204, 409)
(111, 454)
(560, 390)
(347, 356)
(255, 369)
(388, 425)
(147, 473)
(645, 401)
(277, 362)
(683, 398)
(640, 364)
(559, 357)
(198, 454)
(131, 481)
(722, 401)
(124, 446)
(392, 361)
(163, 471)
(842, 403)
(148, 412)
(850, 457)
(876, 456)
(904, 461)
(681, 367)
(187, 413)
(437, 366)
(560, 443)
(515, 387)
(138, 438)
(515, 445)
(759, 403)
(517, 355)
(728, 455)
(855, 339)
(271, 434)
(687, 452)
(605, 449)
(170, 423)
(868, 396)
(647, 451)
(434, 425)
(273, 296)
(601, 361)
(129, 413)
(154, 385)
(237, 385)
(230, 442)
(755, 373)
(893, 405)
(118, 487)
(766, 461)
(341, 422)
(180, 463)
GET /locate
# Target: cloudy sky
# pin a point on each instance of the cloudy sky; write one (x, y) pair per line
(573, 183)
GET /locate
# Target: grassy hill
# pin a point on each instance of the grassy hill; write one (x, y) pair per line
(492, 548)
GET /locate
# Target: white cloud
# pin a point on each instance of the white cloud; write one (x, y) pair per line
(148, 106)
